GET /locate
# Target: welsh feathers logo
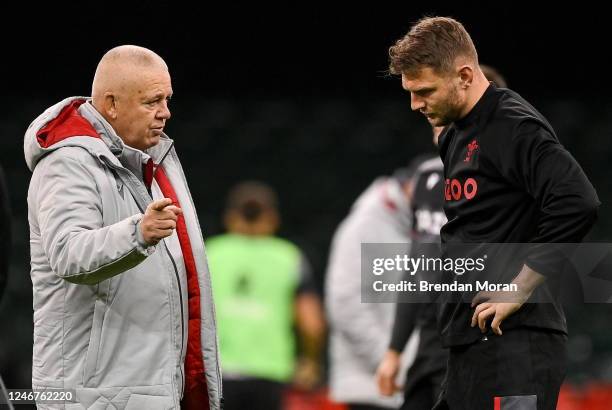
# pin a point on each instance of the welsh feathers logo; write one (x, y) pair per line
(471, 148)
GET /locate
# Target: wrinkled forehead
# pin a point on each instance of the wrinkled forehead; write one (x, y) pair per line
(148, 80)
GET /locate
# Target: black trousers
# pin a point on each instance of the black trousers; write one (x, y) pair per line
(523, 370)
(424, 378)
(255, 394)
(423, 395)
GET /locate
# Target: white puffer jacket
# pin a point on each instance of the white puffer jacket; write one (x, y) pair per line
(110, 315)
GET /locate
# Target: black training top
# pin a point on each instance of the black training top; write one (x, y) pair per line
(509, 180)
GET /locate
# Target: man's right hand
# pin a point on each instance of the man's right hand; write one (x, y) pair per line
(159, 220)
(387, 373)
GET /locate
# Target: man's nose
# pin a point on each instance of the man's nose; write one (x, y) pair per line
(164, 112)
(416, 102)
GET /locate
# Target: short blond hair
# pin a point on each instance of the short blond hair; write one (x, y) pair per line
(434, 42)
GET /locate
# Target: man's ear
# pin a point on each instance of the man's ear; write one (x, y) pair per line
(466, 76)
(110, 105)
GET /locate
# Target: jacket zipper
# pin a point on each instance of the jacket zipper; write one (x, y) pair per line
(219, 380)
(178, 283)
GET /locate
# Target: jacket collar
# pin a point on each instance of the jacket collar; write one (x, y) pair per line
(131, 158)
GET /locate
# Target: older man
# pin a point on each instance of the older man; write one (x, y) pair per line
(123, 309)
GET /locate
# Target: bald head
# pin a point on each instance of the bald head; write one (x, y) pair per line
(119, 69)
(131, 89)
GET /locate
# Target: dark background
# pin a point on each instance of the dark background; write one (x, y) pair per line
(297, 95)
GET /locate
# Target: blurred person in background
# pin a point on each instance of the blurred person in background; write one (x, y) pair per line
(520, 186)
(123, 307)
(360, 332)
(264, 293)
(425, 375)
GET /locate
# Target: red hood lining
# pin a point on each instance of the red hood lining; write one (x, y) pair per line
(69, 123)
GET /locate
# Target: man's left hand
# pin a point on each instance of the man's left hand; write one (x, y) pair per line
(487, 303)
(498, 310)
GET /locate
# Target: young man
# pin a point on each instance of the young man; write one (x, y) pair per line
(507, 179)
(425, 375)
(123, 309)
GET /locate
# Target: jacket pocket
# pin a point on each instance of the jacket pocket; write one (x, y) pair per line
(90, 378)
